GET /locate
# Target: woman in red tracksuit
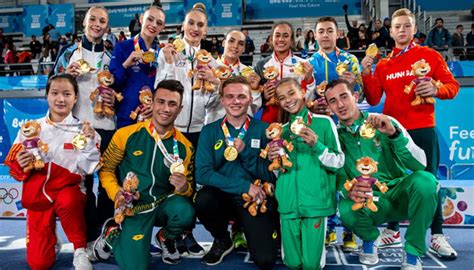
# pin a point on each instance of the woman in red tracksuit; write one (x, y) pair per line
(57, 189)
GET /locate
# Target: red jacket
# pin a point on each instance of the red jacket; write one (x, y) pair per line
(65, 166)
(393, 74)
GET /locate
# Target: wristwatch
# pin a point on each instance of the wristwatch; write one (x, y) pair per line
(397, 133)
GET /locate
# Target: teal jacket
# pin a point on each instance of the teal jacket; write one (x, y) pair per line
(308, 189)
(396, 157)
(235, 177)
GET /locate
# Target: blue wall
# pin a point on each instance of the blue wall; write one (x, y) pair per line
(441, 5)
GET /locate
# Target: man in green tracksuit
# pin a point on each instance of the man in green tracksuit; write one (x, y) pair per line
(306, 191)
(161, 157)
(411, 195)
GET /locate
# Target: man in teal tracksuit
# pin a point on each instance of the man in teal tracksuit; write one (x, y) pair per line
(226, 177)
(410, 196)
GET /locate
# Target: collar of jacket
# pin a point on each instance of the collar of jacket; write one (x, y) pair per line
(86, 44)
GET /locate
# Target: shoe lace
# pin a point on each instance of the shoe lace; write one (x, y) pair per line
(169, 246)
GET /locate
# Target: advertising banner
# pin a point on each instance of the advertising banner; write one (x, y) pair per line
(34, 19)
(276, 9)
(62, 17)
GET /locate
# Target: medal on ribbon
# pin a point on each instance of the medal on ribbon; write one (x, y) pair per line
(231, 153)
(172, 161)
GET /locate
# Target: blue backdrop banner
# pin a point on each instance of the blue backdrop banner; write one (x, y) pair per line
(120, 16)
(62, 17)
(23, 82)
(11, 23)
(221, 12)
(276, 9)
(34, 19)
(455, 125)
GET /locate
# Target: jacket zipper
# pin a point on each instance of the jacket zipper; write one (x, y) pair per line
(46, 181)
(192, 100)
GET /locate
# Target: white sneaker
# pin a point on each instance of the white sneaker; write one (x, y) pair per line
(81, 262)
(411, 262)
(368, 254)
(389, 238)
(440, 247)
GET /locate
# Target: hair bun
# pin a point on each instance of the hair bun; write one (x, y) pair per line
(200, 6)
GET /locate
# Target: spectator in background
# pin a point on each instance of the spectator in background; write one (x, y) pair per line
(135, 26)
(299, 40)
(122, 36)
(10, 57)
(363, 38)
(215, 47)
(68, 37)
(111, 37)
(310, 43)
(63, 43)
(470, 42)
(380, 34)
(2, 46)
(458, 41)
(24, 57)
(46, 40)
(342, 41)
(353, 31)
(247, 57)
(55, 36)
(108, 45)
(35, 47)
(45, 62)
(266, 47)
(390, 40)
(420, 38)
(178, 33)
(439, 37)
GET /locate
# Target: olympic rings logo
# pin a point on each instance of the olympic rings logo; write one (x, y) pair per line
(7, 196)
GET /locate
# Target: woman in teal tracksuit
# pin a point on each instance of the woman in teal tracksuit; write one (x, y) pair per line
(306, 191)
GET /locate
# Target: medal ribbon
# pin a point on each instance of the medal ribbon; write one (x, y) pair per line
(243, 130)
(406, 49)
(162, 147)
(326, 59)
(235, 67)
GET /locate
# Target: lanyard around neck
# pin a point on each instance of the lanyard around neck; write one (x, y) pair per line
(243, 130)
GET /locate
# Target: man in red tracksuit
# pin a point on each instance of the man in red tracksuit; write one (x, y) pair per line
(393, 75)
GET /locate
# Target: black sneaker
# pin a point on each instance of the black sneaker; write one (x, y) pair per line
(169, 254)
(181, 246)
(193, 247)
(219, 249)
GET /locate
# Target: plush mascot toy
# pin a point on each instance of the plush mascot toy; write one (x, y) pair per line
(420, 69)
(146, 100)
(106, 79)
(271, 75)
(32, 143)
(223, 73)
(254, 205)
(125, 197)
(367, 167)
(203, 58)
(274, 132)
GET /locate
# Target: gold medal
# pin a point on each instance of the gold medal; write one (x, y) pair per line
(230, 153)
(341, 68)
(367, 131)
(297, 126)
(177, 167)
(148, 57)
(179, 45)
(79, 141)
(247, 72)
(372, 50)
(84, 66)
(299, 69)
